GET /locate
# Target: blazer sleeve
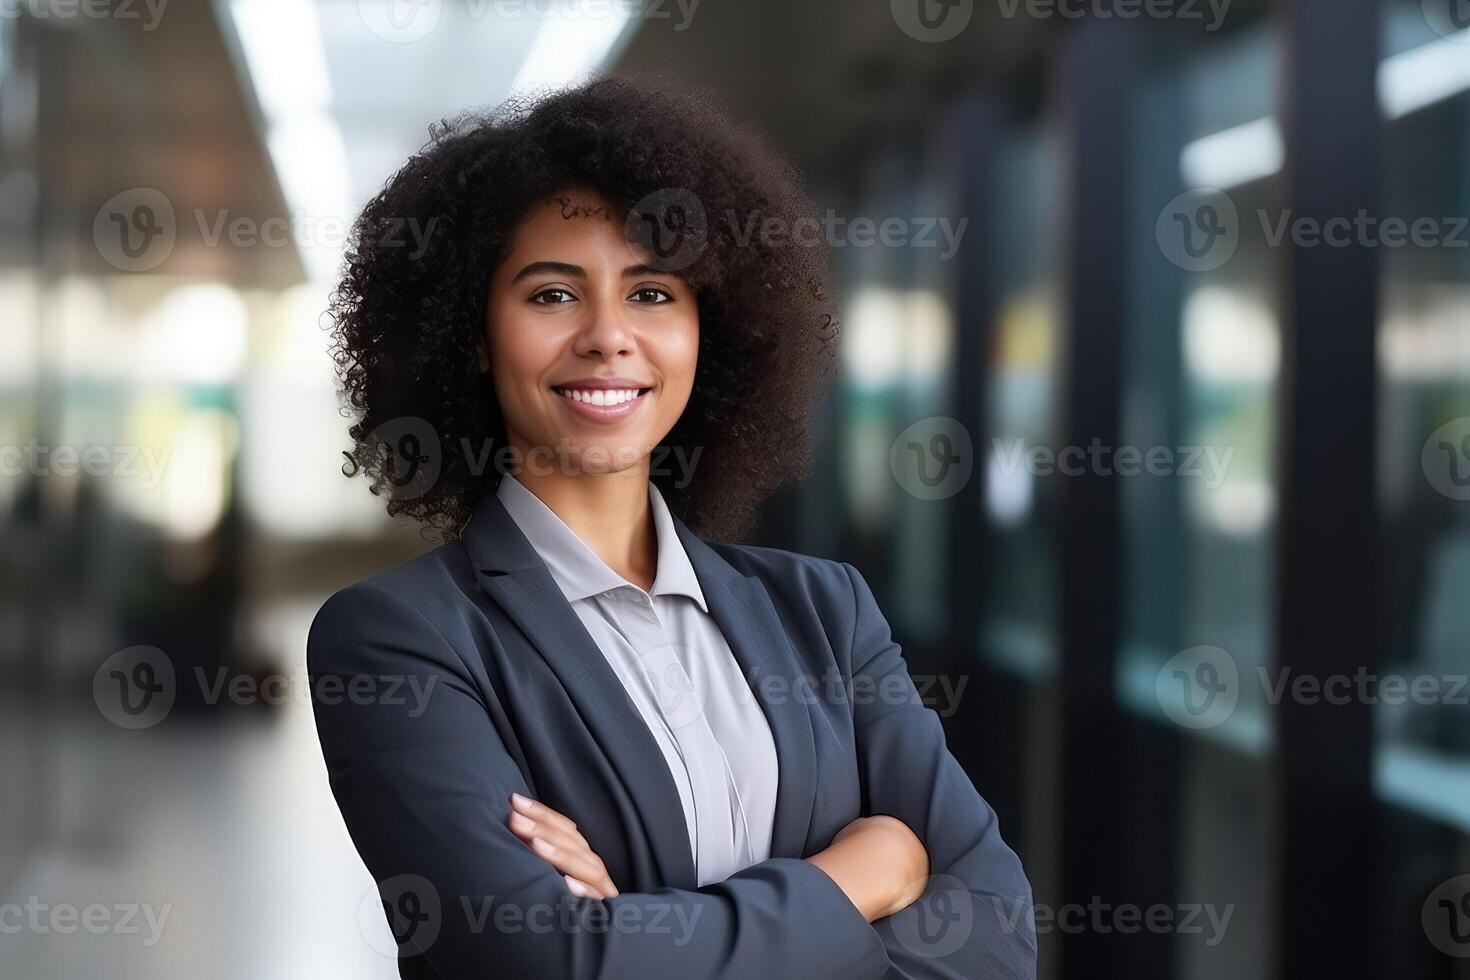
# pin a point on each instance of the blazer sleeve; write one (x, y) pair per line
(423, 781)
(975, 918)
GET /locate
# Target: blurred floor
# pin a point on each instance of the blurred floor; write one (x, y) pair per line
(226, 831)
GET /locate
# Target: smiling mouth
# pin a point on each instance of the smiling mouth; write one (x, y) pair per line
(600, 397)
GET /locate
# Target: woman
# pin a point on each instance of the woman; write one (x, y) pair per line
(630, 751)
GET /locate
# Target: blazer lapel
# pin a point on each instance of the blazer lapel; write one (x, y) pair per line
(743, 610)
(515, 577)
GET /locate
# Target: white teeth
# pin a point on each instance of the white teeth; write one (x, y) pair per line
(599, 396)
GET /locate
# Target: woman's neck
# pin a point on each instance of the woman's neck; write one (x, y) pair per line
(609, 512)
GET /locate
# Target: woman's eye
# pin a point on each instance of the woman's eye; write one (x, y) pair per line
(552, 297)
(652, 294)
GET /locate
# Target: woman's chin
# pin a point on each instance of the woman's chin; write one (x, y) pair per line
(604, 457)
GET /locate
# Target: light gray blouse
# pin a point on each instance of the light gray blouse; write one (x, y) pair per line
(679, 673)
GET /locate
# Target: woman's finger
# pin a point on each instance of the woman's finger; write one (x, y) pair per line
(525, 828)
(555, 838)
(566, 852)
(581, 889)
(579, 864)
(541, 813)
(567, 842)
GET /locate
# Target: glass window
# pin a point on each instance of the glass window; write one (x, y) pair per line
(895, 358)
(1422, 765)
(1200, 373)
(1018, 627)
(1195, 464)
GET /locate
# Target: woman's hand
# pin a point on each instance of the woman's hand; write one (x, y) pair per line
(555, 839)
(879, 863)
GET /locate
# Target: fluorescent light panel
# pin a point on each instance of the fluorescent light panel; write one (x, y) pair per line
(1423, 76)
(1407, 82)
(1234, 156)
(569, 47)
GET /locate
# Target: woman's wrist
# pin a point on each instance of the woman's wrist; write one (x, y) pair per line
(878, 862)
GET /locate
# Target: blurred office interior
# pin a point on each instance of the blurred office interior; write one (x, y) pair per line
(1313, 401)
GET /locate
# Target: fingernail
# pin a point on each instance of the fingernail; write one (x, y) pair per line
(542, 846)
(519, 801)
(578, 889)
(520, 821)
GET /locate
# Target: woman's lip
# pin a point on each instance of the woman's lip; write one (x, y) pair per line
(603, 413)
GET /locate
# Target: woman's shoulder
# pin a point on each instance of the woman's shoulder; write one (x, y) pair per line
(418, 596)
(826, 582)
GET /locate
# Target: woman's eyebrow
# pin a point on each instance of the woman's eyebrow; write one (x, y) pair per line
(560, 268)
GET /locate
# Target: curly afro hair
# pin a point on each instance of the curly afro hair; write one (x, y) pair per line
(408, 319)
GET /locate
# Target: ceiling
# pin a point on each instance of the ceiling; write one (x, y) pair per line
(775, 62)
(95, 107)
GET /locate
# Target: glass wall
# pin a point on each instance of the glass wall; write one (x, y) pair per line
(1019, 626)
(896, 350)
(1197, 483)
(1422, 715)
(1201, 362)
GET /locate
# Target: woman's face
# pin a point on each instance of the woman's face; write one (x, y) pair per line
(592, 351)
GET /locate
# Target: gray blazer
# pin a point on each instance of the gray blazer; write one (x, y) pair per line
(445, 683)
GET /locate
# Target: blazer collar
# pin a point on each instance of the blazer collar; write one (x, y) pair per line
(577, 569)
(511, 572)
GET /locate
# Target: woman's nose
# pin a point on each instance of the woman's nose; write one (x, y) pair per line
(606, 331)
